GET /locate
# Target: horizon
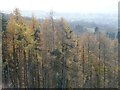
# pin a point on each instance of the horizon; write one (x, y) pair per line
(72, 6)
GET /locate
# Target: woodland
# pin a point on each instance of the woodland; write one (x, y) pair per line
(49, 54)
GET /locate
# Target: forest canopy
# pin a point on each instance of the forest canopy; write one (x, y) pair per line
(49, 54)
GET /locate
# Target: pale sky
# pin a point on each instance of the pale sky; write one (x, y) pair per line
(75, 6)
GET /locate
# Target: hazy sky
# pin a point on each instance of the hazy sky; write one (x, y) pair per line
(89, 6)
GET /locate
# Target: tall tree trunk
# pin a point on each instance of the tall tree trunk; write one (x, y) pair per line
(98, 78)
(28, 68)
(25, 79)
(104, 69)
(83, 66)
(14, 62)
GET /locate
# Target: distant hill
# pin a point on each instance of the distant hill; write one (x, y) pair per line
(98, 19)
(107, 22)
